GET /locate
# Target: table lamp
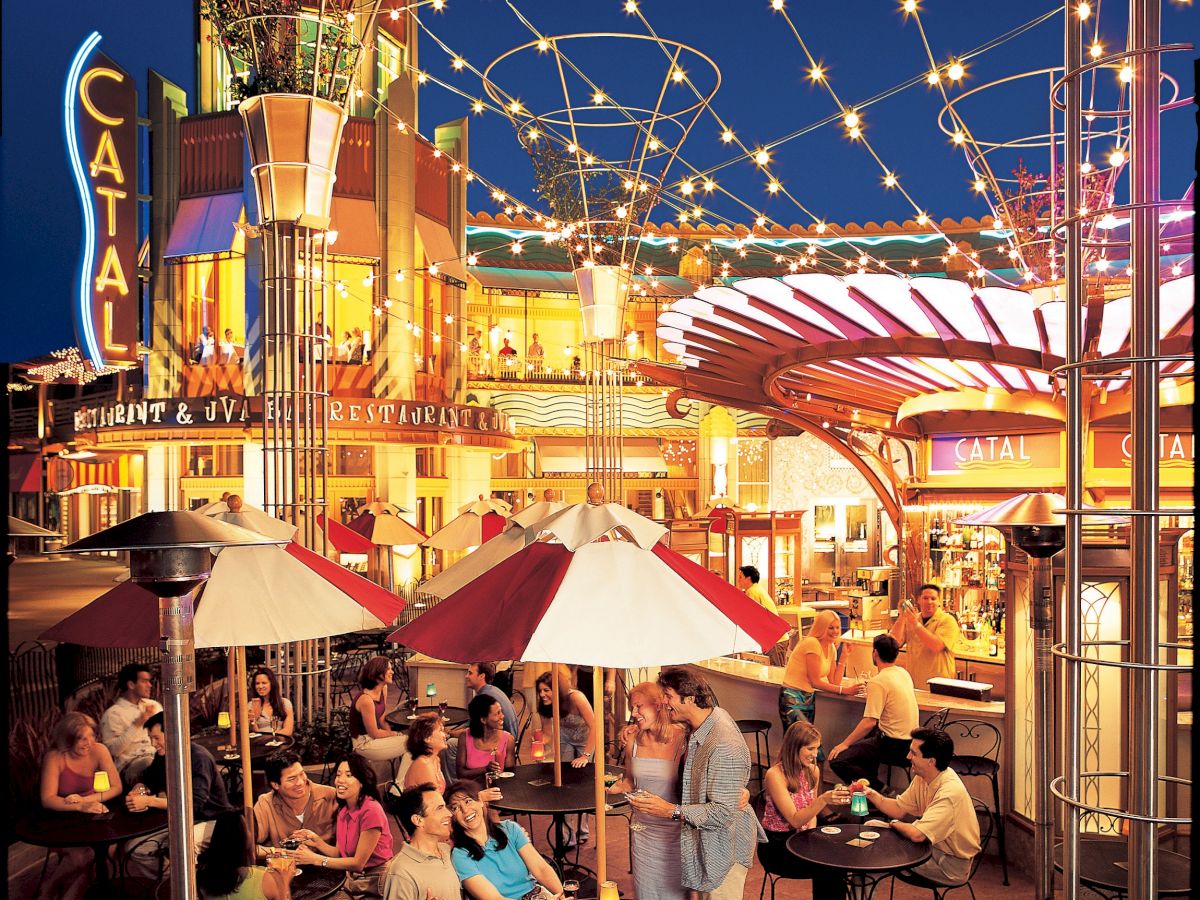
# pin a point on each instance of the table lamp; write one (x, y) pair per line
(858, 804)
(100, 782)
(431, 690)
(223, 719)
(608, 891)
(538, 749)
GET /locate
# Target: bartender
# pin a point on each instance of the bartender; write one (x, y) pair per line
(930, 633)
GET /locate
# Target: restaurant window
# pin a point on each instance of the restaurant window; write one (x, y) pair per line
(348, 308)
(430, 305)
(754, 473)
(431, 462)
(389, 63)
(216, 74)
(353, 460)
(212, 460)
(214, 301)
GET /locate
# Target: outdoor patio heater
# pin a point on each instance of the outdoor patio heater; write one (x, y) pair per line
(170, 555)
(1036, 525)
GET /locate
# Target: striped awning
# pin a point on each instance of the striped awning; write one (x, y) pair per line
(205, 225)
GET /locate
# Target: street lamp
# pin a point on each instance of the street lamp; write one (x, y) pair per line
(170, 554)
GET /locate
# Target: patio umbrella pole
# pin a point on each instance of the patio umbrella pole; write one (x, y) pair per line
(231, 691)
(598, 764)
(244, 727)
(554, 707)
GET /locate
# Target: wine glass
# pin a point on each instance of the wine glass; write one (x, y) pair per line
(442, 704)
(413, 702)
(275, 725)
(635, 821)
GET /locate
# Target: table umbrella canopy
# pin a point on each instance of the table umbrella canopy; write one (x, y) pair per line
(470, 529)
(255, 595)
(380, 508)
(485, 505)
(21, 528)
(470, 567)
(595, 587)
(386, 529)
(535, 512)
(236, 512)
(342, 538)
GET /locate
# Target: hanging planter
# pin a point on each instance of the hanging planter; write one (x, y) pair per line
(603, 291)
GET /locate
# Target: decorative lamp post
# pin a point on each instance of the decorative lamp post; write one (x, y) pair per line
(170, 554)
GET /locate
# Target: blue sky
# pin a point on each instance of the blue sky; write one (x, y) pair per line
(868, 48)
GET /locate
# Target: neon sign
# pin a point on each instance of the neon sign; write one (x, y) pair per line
(100, 119)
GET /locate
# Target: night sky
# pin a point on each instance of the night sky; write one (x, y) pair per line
(868, 48)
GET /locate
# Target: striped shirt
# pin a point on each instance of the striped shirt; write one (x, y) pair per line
(716, 834)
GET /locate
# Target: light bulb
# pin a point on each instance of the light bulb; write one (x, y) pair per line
(933, 77)
(959, 137)
(760, 221)
(598, 97)
(1084, 10)
(630, 6)
(923, 219)
(433, 268)
(762, 157)
(1096, 50)
(726, 136)
(458, 63)
(677, 75)
(515, 106)
(979, 185)
(777, 5)
(1117, 157)
(773, 187)
(686, 187)
(851, 119)
(889, 180)
(399, 275)
(517, 247)
(543, 45)
(472, 259)
(709, 185)
(477, 107)
(955, 72)
(816, 73)
(1126, 75)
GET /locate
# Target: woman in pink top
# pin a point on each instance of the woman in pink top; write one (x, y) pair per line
(486, 747)
(363, 840)
(792, 804)
(68, 785)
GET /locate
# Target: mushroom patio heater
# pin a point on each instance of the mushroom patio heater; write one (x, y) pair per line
(1034, 523)
(170, 554)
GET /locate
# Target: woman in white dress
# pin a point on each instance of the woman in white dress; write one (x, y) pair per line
(654, 748)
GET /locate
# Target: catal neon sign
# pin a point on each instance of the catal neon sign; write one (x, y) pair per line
(100, 119)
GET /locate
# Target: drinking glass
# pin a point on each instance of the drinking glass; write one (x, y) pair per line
(570, 888)
(412, 707)
(635, 820)
(275, 724)
(442, 704)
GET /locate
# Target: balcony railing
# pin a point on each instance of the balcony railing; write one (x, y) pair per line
(533, 372)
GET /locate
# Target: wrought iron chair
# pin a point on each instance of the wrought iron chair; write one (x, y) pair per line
(936, 720)
(983, 764)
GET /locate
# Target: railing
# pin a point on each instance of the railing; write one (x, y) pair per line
(536, 372)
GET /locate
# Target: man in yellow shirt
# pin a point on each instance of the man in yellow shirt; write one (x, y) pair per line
(747, 580)
(930, 633)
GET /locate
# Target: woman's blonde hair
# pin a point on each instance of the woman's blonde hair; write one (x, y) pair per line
(69, 727)
(661, 732)
(799, 735)
(821, 622)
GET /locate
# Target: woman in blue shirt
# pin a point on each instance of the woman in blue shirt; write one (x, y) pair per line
(495, 860)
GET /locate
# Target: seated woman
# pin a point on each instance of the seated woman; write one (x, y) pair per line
(577, 737)
(486, 747)
(495, 860)
(225, 869)
(426, 742)
(813, 666)
(371, 736)
(363, 840)
(792, 804)
(68, 785)
(268, 704)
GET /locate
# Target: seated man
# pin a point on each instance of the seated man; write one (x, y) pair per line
(946, 815)
(293, 803)
(891, 714)
(123, 725)
(421, 868)
(209, 799)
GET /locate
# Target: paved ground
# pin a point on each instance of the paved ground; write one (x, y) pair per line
(43, 591)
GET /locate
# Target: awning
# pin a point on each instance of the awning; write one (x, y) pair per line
(439, 247)
(23, 476)
(204, 225)
(566, 454)
(552, 280)
(358, 233)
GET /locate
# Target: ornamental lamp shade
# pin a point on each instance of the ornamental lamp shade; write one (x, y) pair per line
(294, 141)
(603, 291)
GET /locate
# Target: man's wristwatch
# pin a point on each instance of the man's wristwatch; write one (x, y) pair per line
(677, 813)
(324, 862)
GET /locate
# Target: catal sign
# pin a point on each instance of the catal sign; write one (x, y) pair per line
(100, 120)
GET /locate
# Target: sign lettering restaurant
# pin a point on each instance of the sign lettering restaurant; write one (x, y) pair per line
(100, 120)
(202, 412)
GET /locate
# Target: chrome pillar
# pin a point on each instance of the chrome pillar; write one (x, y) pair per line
(1143, 691)
(1071, 696)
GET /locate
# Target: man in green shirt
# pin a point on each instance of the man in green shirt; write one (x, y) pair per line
(930, 633)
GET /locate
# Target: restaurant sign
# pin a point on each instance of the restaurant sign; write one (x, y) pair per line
(1114, 450)
(100, 119)
(952, 454)
(208, 412)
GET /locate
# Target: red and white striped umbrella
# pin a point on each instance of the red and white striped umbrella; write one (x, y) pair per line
(593, 586)
(479, 522)
(386, 529)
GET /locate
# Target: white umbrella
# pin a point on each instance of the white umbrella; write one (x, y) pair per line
(486, 505)
(381, 508)
(478, 522)
(236, 512)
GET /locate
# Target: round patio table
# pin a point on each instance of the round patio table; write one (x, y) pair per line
(260, 747)
(47, 828)
(531, 791)
(454, 717)
(1102, 868)
(862, 867)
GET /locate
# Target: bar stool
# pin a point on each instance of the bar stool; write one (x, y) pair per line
(985, 764)
(758, 728)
